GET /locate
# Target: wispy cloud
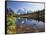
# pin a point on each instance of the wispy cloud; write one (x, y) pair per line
(28, 6)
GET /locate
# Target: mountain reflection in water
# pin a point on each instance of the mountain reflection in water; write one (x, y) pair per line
(25, 25)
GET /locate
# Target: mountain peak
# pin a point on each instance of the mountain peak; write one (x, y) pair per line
(23, 11)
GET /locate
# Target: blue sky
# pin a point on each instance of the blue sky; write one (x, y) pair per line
(28, 6)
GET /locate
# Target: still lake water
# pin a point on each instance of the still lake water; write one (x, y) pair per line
(30, 22)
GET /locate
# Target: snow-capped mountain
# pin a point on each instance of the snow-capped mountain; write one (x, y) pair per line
(23, 11)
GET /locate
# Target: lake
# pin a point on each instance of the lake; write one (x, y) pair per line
(27, 24)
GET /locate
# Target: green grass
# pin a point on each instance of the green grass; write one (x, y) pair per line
(11, 24)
